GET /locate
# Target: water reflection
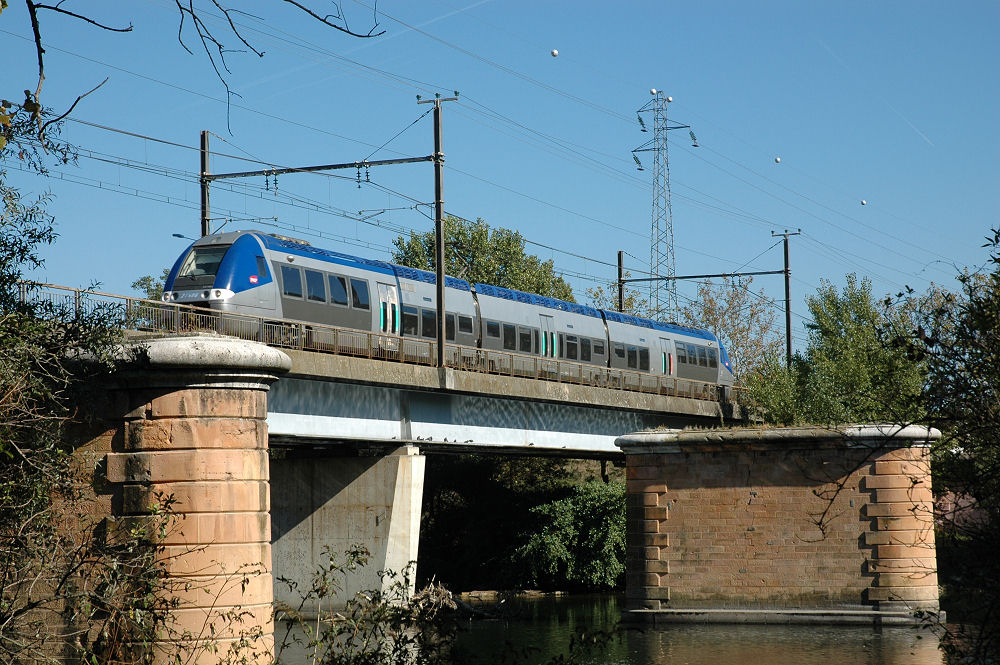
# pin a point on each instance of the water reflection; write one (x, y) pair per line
(537, 631)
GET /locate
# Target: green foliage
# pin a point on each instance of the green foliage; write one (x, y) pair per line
(477, 253)
(151, 287)
(69, 587)
(384, 625)
(479, 505)
(851, 372)
(579, 539)
(21, 135)
(956, 336)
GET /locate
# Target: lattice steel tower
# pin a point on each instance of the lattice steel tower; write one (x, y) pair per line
(662, 293)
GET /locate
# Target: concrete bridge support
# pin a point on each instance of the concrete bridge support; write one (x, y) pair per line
(191, 425)
(789, 525)
(323, 505)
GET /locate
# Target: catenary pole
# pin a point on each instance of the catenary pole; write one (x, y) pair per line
(621, 281)
(205, 211)
(439, 222)
(788, 296)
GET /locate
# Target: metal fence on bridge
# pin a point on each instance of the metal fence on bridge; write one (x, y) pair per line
(159, 317)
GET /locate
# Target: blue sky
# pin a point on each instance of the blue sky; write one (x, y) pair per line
(894, 103)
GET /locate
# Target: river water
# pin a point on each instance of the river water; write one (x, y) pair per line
(536, 631)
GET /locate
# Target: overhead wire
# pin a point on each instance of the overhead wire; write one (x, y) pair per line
(486, 181)
(490, 62)
(321, 130)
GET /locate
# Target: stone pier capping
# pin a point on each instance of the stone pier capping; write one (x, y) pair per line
(191, 424)
(780, 525)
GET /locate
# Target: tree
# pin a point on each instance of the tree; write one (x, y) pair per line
(957, 339)
(191, 18)
(741, 319)
(477, 253)
(151, 287)
(68, 590)
(578, 539)
(634, 302)
(851, 371)
(479, 505)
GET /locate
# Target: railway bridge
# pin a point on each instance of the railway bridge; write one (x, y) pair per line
(273, 454)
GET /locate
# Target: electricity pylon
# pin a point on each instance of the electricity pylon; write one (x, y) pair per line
(662, 293)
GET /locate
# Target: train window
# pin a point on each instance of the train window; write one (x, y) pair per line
(291, 282)
(315, 286)
(713, 358)
(524, 340)
(338, 290)
(571, 347)
(492, 329)
(261, 267)
(633, 357)
(598, 348)
(428, 323)
(465, 324)
(620, 350)
(202, 261)
(644, 359)
(534, 335)
(411, 321)
(510, 337)
(449, 327)
(585, 350)
(552, 343)
(682, 356)
(359, 293)
(702, 356)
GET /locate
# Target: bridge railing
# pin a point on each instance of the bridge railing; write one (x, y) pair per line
(153, 316)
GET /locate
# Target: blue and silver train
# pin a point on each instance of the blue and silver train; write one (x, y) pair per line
(259, 274)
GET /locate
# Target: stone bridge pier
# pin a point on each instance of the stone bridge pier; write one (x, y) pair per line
(780, 525)
(189, 417)
(185, 420)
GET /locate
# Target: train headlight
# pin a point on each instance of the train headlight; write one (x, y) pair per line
(219, 294)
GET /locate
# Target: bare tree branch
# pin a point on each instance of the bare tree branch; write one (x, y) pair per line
(57, 8)
(72, 106)
(339, 16)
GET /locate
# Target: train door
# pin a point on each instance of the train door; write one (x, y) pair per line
(388, 312)
(666, 364)
(548, 348)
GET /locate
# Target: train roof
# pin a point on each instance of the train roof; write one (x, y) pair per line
(535, 299)
(675, 328)
(304, 249)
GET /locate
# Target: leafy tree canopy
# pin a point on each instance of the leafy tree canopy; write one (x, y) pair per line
(851, 371)
(151, 287)
(579, 539)
(477, 253)
(741, 319)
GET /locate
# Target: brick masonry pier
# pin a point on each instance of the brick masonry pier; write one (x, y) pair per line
(780, 525)
(189, 422)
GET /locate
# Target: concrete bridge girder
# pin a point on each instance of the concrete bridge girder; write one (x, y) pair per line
(339, 398)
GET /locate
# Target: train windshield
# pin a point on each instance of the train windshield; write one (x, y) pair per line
(199, 267)
(202, 261)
